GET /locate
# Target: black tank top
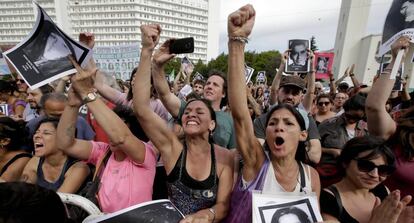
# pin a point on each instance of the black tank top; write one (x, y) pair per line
(11, 161)
(188, 194)
(41, 181)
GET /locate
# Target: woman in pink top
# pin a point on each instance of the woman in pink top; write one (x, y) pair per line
(129, 173)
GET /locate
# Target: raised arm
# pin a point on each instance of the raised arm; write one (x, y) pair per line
(155, 127)
(118, 132)
(380, 122)
(346, 74)
(310, 93)
(80, 149)
(276, 80)
(171, 102)
(240, 25)
(354, 80)
(332, 85)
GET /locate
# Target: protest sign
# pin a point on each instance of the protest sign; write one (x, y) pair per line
(42, 56)
(268, 208)
(186, 90)
(248, 72)
(323, 64)
(399, 22)
(157, 211)
(4, 109)
(198, 76)
(298, 56)
(118, 60)
(398, 86)
(4, 68)
(261, 77)
(186, 66)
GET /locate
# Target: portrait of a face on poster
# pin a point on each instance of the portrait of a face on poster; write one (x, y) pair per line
(323, 64)
(248, 73)
(298, 56)
(285, 208)
(399, 22)
(43, 56)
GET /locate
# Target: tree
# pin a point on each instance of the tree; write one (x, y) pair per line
(313, 46)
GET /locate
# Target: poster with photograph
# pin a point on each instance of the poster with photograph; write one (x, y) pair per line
(398, 86)
(323, 64)
(399, 22)
(261, 77)
(198, 76)
(117, 60)
(285, 208)
(186, 66)
(4, 109)
(157, 211)
(298, 56)
(4, 67)
(43, 56)
(248, 73)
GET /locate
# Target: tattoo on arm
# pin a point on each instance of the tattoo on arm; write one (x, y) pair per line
(70, 131)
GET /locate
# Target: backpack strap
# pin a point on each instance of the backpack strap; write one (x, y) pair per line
(335, 191)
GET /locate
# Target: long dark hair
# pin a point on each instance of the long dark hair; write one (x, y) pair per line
(358, 145)
(130, 92)
(301, 154)
(13, 130)
(405, 127)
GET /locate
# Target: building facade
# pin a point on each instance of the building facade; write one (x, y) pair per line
(117, 22)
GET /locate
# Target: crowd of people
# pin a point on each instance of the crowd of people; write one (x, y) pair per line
(351, 146)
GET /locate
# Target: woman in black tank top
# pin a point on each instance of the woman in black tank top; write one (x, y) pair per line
(13, 159)
(199, 173)
(51, 168)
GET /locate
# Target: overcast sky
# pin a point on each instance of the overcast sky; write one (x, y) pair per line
(277, 21)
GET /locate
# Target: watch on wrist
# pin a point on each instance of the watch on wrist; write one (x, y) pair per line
(90, 97)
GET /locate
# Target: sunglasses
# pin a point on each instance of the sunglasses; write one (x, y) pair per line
(326, 103)
(367, 166)
(19, 81)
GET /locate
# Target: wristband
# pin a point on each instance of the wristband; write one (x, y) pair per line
(239, 38)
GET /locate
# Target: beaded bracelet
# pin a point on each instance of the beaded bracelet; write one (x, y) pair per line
(239, 38)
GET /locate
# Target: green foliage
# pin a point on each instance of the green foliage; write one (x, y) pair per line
(264, 61)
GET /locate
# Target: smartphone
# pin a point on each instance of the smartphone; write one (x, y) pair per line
(179, 46)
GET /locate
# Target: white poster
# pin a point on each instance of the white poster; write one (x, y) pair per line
(285, 208)
(43, 56)
(248, 72)
(399, 22)
(117, 60)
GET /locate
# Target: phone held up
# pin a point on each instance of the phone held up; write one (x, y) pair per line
(179, 46)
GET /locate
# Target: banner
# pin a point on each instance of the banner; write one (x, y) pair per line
(117, 60)
(42, 56)
(323, 64)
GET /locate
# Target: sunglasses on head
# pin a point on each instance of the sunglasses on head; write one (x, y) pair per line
(326, 103)
(367, 166)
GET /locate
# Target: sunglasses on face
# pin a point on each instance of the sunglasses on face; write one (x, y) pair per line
(367, 166)
(326, 103)
(19, 81)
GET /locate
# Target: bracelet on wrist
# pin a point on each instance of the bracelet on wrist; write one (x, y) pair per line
(211, 210)
(239, 39)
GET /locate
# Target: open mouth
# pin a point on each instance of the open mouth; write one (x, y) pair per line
(279, 141)
(38, 145)
(192, 123)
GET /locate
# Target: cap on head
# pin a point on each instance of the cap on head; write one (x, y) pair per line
(293, 81)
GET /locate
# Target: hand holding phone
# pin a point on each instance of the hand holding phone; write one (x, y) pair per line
(179, 46)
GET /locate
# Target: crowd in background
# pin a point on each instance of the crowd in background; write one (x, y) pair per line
(147, 138)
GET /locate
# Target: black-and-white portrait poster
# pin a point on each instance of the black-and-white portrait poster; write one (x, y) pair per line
(4, 109)
(157, 211)
(43, 56)
(399, 22)
(248, 72)
(285, 208)
(261, 77)
(298, 56)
